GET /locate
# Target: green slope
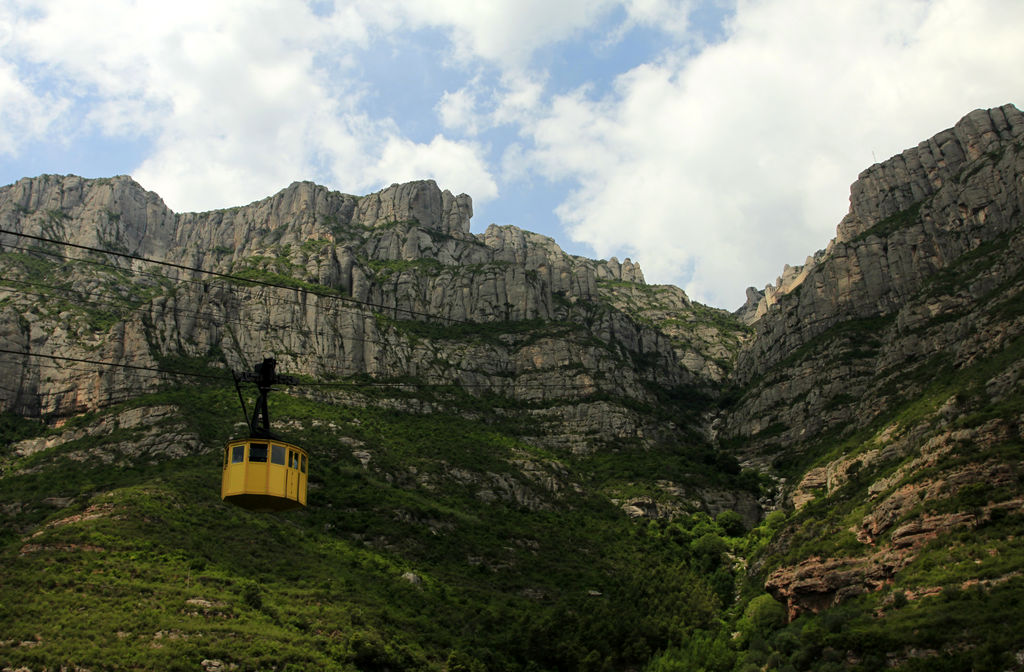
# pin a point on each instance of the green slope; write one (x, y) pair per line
(142, 566)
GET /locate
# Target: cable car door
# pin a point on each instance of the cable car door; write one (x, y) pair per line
(293, 475)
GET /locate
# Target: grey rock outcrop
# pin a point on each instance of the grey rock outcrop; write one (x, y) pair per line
(928, 169)
(759, 302)
(910, 217)
(885, 293)
(338, 284)
(421, 202)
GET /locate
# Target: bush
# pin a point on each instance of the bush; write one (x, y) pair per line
(708, 550)
(731, 523)
(702, 651)
(252, 595)
(762, 616)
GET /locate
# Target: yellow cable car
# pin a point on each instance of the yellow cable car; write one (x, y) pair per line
(264, 475)
(261, 472)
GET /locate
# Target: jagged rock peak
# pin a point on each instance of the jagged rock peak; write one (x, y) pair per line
(514, 244)
(67, 192)
(899, 183)
(759, 301)
(295, 198)
(627, 271)
(751, 310)
(564, 272)
(910, 217)
(115, 212)
(907, 178)
(420, 201)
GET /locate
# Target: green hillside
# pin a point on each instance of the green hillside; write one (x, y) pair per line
(520, 460)
(138, 565)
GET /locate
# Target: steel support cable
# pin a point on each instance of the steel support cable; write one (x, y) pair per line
(178, 310)
(311, 333)
(233, 278)
(86, 367)
(107, 299)
(93, 262)
(412, 347)
(199, 283)
(110, 301)
(92, 364)
(96, 362)
(196, 282)
(321, 384)
(112, 398)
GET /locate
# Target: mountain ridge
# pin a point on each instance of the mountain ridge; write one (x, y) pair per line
(571, 468)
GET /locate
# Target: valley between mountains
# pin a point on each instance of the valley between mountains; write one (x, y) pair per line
(520, 459)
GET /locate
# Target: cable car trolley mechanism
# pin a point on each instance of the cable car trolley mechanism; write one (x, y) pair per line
(263, 472)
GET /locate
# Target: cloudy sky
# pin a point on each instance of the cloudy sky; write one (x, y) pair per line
(713, 141)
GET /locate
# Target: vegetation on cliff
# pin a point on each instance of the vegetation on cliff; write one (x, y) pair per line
(521, 460)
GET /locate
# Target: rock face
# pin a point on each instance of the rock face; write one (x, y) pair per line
(759, 302)
(882, 293)
(924, 172)
(879, 383)
(894, 529)
(420, 202)
(910, 217)
(388, 286)
(882, 377)
(405, 253)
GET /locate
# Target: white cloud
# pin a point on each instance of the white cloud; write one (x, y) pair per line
(223, 93)
(669, 15)
(234, 96)
(711, 165)
(454, 165)
(519, 98)
(513, 99)
(740, 158)
(515, 163)
(506, 32)
(458, 111)
(24, 116)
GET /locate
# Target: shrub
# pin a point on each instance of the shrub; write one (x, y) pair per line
(708, 551)
(731, 523)
(762, 616)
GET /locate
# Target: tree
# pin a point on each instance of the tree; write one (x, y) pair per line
(731, 523)
(708, 550)
(762, 616)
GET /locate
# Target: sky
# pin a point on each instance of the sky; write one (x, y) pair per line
(712, 141)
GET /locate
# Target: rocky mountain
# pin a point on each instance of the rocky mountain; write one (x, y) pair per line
(883, 382)
(922, 275)
(568, 467)
(402, 255)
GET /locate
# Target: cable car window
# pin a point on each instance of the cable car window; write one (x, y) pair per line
(303, 464)
(238, 454)
(258, 452)
(277, 454)
(293, 459)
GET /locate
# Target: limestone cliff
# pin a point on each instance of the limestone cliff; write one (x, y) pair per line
(879, 295)
(391, 286)
(882, 379)
(405, 253)
(901, 335)
(939, 195)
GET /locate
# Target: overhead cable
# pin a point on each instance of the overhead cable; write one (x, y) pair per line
(338, 384)
(234, 278)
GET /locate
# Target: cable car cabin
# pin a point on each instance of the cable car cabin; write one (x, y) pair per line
(264, 475)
